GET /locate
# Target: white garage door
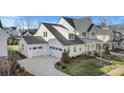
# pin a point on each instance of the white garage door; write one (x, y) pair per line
(56, 52)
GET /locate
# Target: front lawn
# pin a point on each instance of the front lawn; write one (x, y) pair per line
(13, 47)
(86, 67)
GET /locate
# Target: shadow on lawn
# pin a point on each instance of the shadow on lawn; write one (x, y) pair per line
(82, 68)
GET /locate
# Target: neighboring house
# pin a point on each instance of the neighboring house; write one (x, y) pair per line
(104, 33)
(60, 39)
(29, 32)
(3, 43)
(12, 31)
(32, 46)
(119, 33)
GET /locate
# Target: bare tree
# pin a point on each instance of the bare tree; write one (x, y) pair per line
(28, 22)
(7, 65)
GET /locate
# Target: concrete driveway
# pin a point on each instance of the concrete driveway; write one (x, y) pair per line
(41, 66)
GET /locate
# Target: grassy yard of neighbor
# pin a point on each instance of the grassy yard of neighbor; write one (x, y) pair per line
(112, 58)
(13, 47)
(108, 68)
(87, 67)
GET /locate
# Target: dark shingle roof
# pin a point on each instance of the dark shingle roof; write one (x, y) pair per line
(14, 28)
(83, 24)
(87, 40)
(60, 37)
(34, 39)
(70, 20)
(1, 26)
(104, 31)
(32, 31)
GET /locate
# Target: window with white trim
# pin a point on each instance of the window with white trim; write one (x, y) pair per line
(45, 34)
(74, 49)
(71, 36)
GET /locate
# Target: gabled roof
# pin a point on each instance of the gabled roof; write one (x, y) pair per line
(82, 24)
(70, 21)
(34, 39)
(31, 31)
(14, 28)
(106, 31)
(87, 40)
(60, 37)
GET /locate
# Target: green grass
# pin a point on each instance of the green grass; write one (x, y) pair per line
(13, 47)
(122, 74)
(108, 68)
(85, 68)
(112, 66)
(112, 58)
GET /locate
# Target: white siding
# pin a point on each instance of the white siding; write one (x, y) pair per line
(3, 47)
(54, 43)
(29, 52)
(66, 24)
(38, 52)
(43, 29)
(3, 43)
(104, 38)
(73, 53)
(91, 47)
(64, 31)
(23, 50)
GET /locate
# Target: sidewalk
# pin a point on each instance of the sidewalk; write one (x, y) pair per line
(116, 72)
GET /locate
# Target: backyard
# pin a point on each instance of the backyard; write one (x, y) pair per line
(13, 47)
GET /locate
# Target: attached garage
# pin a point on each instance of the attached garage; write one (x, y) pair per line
(33, 46)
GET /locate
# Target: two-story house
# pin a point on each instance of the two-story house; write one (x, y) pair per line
(85, 30)
(60, 39)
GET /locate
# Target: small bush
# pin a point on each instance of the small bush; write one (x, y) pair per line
(58, 64)
(64, 67)
(65, 57)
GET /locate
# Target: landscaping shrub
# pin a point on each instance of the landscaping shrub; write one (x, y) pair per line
(65, 57)
(64, 67)
(58, 64)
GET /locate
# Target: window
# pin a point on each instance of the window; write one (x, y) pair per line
(80, 48)
(93, 34)
(45, 34)
(22, 46)
(30, 48)
(34, 48)
(40, 47)
(60, 49)
(84, 34)
(74, 49)
(68, 49)
(71, 36)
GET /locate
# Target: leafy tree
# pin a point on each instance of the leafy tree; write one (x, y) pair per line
(65, 57)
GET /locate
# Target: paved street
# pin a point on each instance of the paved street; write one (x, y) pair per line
(41, 66)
